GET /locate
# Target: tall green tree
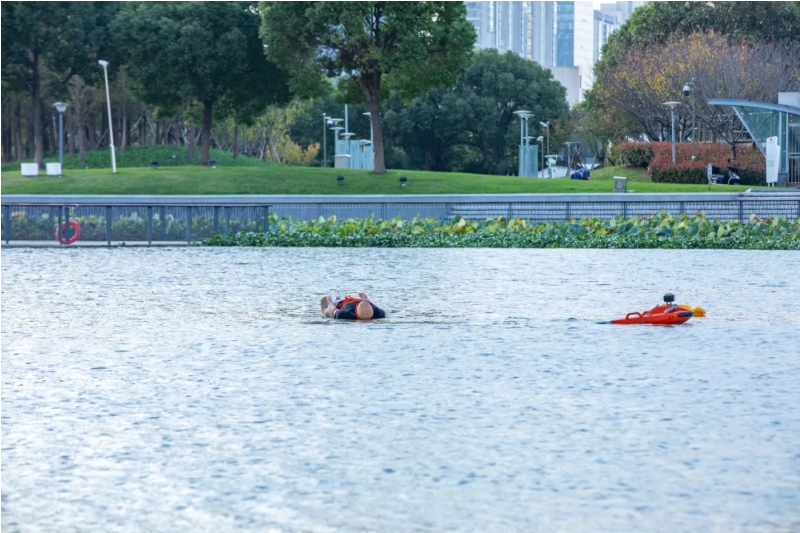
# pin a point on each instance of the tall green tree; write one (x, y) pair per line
(180, 53)
(57, 39)
(658, 22)
(411, 46)
(472, 127)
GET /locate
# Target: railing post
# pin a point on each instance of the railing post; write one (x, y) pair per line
(266, 218)
(683, 208)
(624, 209)
(67, 227)
(163, 217)
(188, 223)
(227, 219)
(108, 224)
(568, 211)
(149, 224)
(741, 210)
(7, 222)
(215, 225)
(59, 235)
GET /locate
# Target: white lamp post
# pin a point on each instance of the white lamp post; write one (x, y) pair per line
(687, 91)
(60, 107)
(672, 106)
(521, 113)
(546, 125)
(371, 135)
(110, 129)
(325, 122)
(540, 140)
(336, 130)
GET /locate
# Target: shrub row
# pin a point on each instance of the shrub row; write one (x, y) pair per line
(660, 231)
(752, 166)
(657, 157)
(634, 155)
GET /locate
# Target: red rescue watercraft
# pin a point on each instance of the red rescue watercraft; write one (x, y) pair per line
(662, 315)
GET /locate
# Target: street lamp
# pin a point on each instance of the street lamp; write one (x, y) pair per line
(371, 135)
(60, 107)
(521, 113)
(336, 130)
(325, 122)
(687, 91)
(546, 125)
(110, 129)
(540, 140)
(672, 106)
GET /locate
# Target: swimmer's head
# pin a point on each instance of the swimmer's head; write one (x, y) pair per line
(364, 310)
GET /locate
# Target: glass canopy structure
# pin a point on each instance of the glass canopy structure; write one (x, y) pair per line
(764, 120)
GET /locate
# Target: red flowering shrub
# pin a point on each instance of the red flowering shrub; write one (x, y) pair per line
(634, 154)
(752, 166)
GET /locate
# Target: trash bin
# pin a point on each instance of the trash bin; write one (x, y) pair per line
(53, 169)
(620, 184)
(341, 161)
(30, 169)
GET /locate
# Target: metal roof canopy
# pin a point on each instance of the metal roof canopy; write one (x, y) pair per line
(764, 120)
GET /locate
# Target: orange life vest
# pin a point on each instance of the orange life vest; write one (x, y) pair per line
(348, 300)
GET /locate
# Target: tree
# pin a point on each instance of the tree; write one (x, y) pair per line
(658, 22)
(641, 80)
(412, 47)
(63, 39)
(204, 52)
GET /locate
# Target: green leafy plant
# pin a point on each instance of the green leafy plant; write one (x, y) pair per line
(660, 231)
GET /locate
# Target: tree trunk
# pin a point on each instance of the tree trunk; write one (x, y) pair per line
(18, 131)
(371, 84)
(91, 138)
(205, 137)
(71, 130)
(235, 140)
(191, 142)
(176, 132)
(7, 136)
(125, 134)
(36, 92)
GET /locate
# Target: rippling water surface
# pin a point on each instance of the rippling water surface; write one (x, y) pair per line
(197, 389)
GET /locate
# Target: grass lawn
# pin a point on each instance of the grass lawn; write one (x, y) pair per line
(276, 179)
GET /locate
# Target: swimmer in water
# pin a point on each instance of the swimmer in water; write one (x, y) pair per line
(351, 308)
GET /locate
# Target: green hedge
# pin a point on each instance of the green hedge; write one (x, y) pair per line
(660, 231)
(634, 154)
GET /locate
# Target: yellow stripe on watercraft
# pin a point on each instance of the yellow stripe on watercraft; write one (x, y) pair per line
(698, 311)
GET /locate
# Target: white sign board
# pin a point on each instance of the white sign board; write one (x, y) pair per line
(773, 159)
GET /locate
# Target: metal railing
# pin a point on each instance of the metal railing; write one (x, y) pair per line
(186, 219)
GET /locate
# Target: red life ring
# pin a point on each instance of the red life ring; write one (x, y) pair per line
(77, 235)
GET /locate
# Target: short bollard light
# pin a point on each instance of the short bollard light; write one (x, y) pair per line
(403, 181)
(153, 164)
(340, 179)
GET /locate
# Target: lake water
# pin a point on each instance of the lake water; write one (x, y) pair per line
(194, 389)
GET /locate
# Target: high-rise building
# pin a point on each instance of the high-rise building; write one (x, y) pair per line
(604, 26)
(504, 26)
(620, 10)
(566, 37)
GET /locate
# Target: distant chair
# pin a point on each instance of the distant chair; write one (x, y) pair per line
(153, 164)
